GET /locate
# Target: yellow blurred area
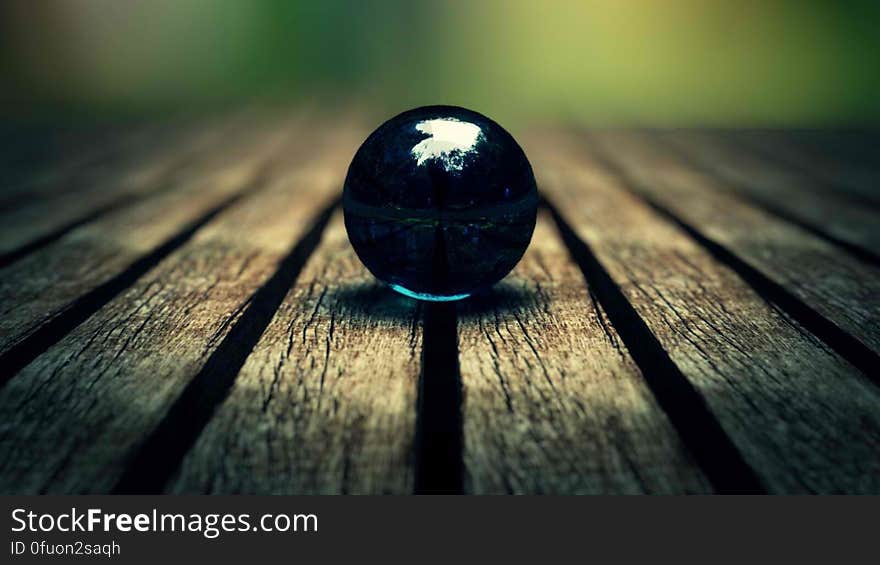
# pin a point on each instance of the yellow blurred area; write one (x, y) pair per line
(648, 62)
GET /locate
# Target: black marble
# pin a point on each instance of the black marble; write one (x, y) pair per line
(440, 202)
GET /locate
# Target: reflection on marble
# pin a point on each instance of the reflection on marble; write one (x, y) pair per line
(440, 202)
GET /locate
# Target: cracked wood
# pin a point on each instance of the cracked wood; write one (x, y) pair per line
(83, 196)
(74, 417)
(841, 288)
(37, 288)
(553, 401)
(326, 402)
(803, 418)
(834, 166)
(791, 195)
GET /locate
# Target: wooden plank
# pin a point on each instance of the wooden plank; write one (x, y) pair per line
(74, 418)
(37, 288)
(848, 162)
(326, 403)
(74, 161)
(56, 211)
(829, 165)
(853, 146)
(795, 197)
(553, 401)
(843, 290)
(32, 154)
(804, 419)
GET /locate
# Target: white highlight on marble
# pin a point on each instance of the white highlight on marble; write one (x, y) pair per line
(449, 142)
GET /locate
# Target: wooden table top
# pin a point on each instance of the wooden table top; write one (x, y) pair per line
(698, 312)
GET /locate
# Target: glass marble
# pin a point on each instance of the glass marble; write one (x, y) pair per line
(440, 202)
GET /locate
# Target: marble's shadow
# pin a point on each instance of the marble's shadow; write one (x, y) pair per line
(370, 298)
(498, 300)
(374, 299)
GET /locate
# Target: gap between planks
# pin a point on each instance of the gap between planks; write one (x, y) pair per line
(830, 293)
(130, 353)
(801, 417)
(38, 220)
(50, 292)
(326, 401)
(601, 449)
(793, 197)
(553, 400)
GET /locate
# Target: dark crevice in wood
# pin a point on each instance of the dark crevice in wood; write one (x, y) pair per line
(853, 147)
(857, 251)
(114, 149)
(860, 253)
(26, 249)
(845, 345)
(827, 186)
(687, 410)
(439, 441)
(161, 454)
(22, 251)
(68, 318)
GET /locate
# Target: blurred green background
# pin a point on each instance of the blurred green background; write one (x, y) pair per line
(644, 62)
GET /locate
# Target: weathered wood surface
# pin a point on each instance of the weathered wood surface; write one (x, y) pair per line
(860, 147)
(46, 283)
(326, 403)
(66, 162)
(216, 333)
(837, 286)
(33, 156)
(553, 403)
(843, 165)
(794, 196)
(802, 418)
(72, 198)
(73, 418)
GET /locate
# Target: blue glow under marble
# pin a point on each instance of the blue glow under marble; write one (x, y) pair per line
(440, 202)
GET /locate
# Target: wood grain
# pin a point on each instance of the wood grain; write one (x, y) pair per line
(326, 403)
(37, 288)
(847, 165)
(69, 202)
(67, 162)
(793, 196)
(74, 417)
(33, 156)
(553, 401)
(804, 419)
(237, 345)
(840, 288)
